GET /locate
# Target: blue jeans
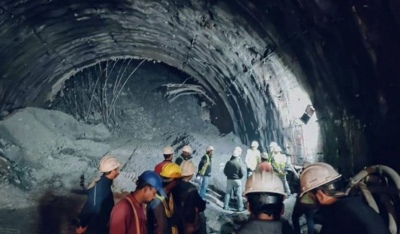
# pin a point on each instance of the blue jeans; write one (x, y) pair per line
(236, 187)
(204, 185)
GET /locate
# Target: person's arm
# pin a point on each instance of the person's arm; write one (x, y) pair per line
(226, 169)
(240, 170)
(121, 217)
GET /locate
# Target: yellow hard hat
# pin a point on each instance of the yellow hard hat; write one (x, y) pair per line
(316, 175)
(108, 163)
(264, 182)
(188, 168)
(171, 170)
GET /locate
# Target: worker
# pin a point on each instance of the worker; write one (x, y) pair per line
(186, 155)
(265, 195)
(204, 172)
(95, 214)
(168, 153)
(234, 173)
(160, 212)
(264, 165)
(339, 213)
(129, 215)
(304, 205)
(279, 162)
(252, 158)
(189, 203)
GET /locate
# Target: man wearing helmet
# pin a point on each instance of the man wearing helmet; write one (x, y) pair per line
(189, 203)
(279, 162)
(186, 155)
(252, 158)
(168, 153)
(265, 194)
(129, 215)
(234, 173)
(160, 212)
(340, 213)
(204, 173)
(95, 214)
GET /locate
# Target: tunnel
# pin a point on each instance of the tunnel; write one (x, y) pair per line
(320, 78)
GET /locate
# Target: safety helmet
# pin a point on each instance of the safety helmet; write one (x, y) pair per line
(264, 155)
(151, 178)
(237, 152)
(254, 144)
(273, 144)
(187, 149)
(277, 149)
(108, 163)
(209, 148)
(264, 182)
(168, 150)
(188, 168)
(171, 170)
(316, 175)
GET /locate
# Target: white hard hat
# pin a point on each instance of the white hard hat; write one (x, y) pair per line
(209, 148)
(108, 163)
(273, 144)
(254, 144)
(316, 175)
(188, 168)
(168, 150)
(187, 149)
(277, 149)
(264, 182)
(264, 155)
(237, 151)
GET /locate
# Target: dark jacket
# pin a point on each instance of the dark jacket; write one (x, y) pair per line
(261, 227)
(233, 169)
(181, 158)
(97, 209)
(205, 165)
(187, 199)
(351, 215)
(157, 220)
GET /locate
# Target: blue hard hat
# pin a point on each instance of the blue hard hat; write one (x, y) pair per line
(152, 179)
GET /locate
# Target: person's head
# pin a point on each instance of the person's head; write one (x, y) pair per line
(265, 195)
(322, 183)
(254, 145)
(210, 150)
(264, 156)
(110, 166)
(188, 169)
(147, 185)
(237, 152)
(273, 146)
(187, 151)
(170, 175)
(168, 153)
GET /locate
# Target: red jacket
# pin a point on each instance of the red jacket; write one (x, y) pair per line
(158, 167)
(125, 221)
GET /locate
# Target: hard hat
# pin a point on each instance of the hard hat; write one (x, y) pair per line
(277, 149)
(209, 148)
(168, 150)
(187, 149)
(264, 155)
(152, 179)
(316, 175)
(171, 170)
(237, 152)
(188, 168)
(254, 144)
(264, 182)
(273, 144)
(108, 163)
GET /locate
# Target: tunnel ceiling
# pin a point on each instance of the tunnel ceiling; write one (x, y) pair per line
(242, 52)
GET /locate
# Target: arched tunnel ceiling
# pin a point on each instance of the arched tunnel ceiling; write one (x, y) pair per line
(238, 50)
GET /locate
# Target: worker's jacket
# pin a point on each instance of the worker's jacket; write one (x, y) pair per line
(261, 227)
(96, 212)
(233, 169)
(205, 166)
(252, 159)
(158, 167)
(179, 160)
(278, 162)
(160, 215)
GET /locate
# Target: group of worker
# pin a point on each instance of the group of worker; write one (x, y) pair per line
(165, 202)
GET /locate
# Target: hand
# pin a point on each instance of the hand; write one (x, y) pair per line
(80, 230)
